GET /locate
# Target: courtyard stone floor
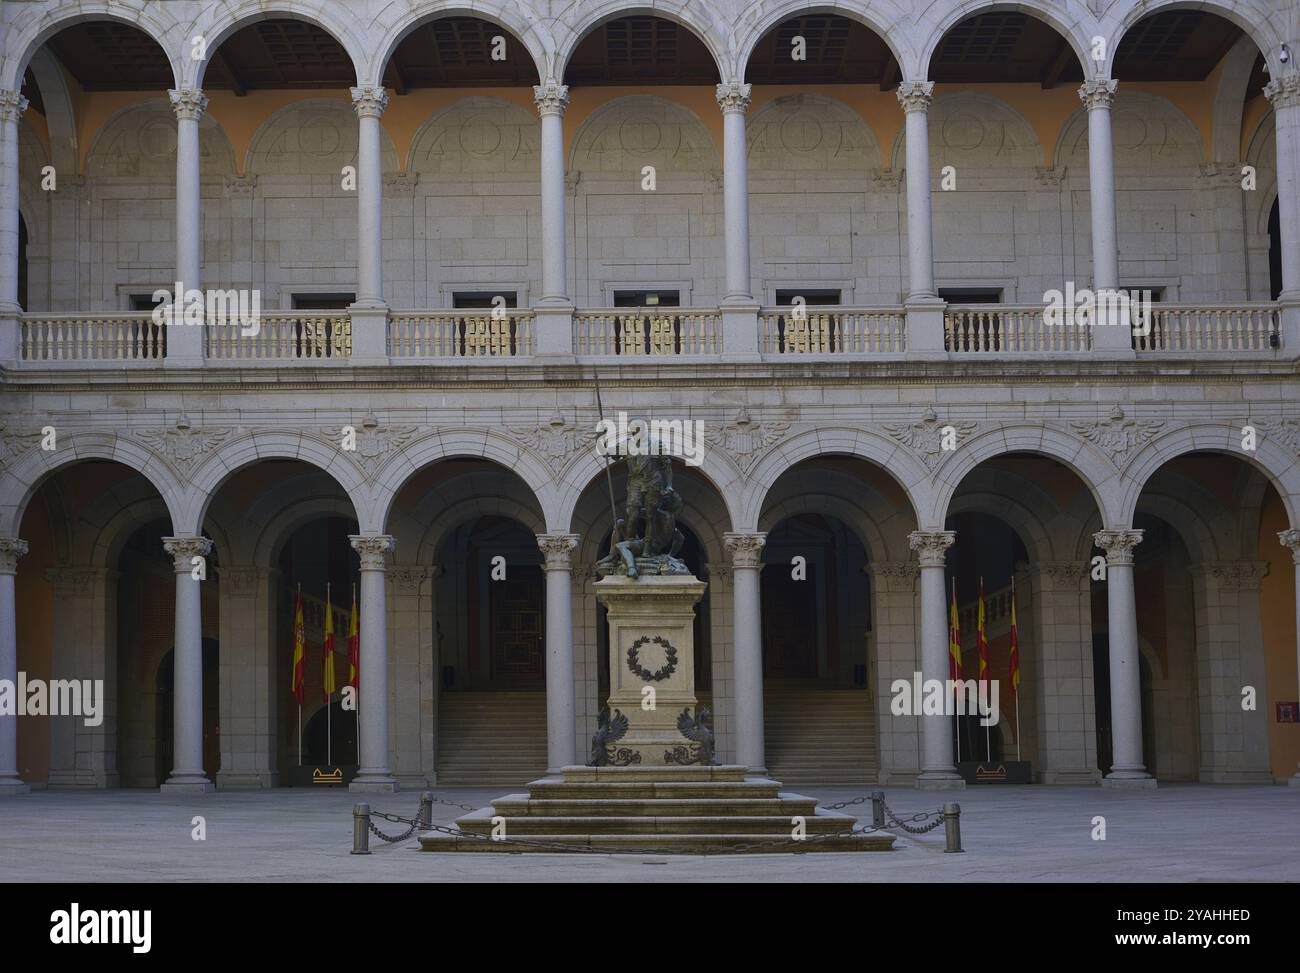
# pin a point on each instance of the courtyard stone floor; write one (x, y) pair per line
(1178, 833)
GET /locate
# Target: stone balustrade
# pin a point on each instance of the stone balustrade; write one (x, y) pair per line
(326, 337)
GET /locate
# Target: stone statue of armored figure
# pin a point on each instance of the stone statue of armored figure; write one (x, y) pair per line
(647, 540)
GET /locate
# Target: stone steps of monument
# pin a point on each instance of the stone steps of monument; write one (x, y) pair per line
(816, 823)
(785, 807)
(640, 844)
(819, 736)
(491, 739)
(699, 790)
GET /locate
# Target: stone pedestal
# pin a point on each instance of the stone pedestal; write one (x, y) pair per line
(652, 647)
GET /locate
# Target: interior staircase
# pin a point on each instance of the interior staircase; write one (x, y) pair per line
(819, 736)
(637, 809)
(491, 739)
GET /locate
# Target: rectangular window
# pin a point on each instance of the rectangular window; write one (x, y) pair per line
(971, 295)
(322, 302)
(482, 300)
(143, 302)
(812, 296)
(647, 299)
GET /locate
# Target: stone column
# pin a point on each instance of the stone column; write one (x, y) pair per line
(1109, 334)
(554, 311)
(552, 99)
(916, 97)
(937, 768)
(924, 309)
(373, 775)
(1289, 538)
(739, 309)
(1284, 93)
(187, 666)
(185, 342)
(746, 552)
(12, 105)
(369, 312)
(1127, 769)
(11, 549)
(561, 727)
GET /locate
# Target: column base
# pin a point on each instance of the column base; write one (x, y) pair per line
(1292, 781)
(188, 784)
(940, 780)
(13, 787)
(373, 784)
(1129, 780)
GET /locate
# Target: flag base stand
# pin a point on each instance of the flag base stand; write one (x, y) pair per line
(995, 771)
(319, 775)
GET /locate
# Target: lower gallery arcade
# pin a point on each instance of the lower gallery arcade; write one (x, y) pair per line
(472, 576)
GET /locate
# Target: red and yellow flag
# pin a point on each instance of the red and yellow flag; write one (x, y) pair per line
(327, 682)
(980, 640)
(954, 638)
(299, 651)
(1014, 665)
(354, 646)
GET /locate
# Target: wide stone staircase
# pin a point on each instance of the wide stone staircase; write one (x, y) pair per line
(491, 739)
(629, 810)
(819, 736)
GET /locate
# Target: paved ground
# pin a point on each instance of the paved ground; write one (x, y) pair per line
(1174, 834)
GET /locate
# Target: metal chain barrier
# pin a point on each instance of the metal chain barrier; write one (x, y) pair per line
(363, 826)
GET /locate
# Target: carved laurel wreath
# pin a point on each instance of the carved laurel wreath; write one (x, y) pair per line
(670, 658)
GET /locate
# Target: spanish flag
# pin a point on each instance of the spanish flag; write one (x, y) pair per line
(980, 641)
(354, 646)
(1014, 665)
(299, 651)
(327, 682)
(954, 637)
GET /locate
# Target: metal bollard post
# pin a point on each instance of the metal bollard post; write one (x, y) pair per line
(425, 818)
(952, 828)
(360, 829)
(877, 809)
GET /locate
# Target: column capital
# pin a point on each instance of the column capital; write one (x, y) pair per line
(1287, 538)
(915, 95)
(1231, 575)
(12, 105)
(1098, 93)
(746, 550)
(552, 98)
(892, 576)
(1118, 544)
(1064, 575)
(558, 549)
(373, 549)
(189, 104)
(1284, 92)
(72, 581)
(733, 96)
(369, 101)
(239, 580)
(11, 549)
(931, 546)
(184, 549)
(408, 579)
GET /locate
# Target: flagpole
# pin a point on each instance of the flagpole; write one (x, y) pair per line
(1016, 689)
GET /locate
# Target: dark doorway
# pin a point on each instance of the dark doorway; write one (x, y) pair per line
(516, 632)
